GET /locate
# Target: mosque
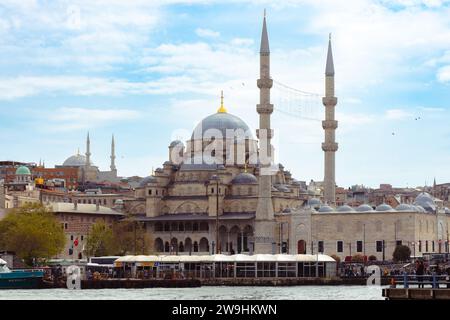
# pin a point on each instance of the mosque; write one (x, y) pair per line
(195, 205)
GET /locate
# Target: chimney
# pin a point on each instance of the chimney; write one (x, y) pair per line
(75, 205)
(97, 206)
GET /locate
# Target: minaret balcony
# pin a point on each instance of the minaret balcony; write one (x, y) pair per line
(330, 146)
(329, 124)
(264, 83)
(329, 101)
(264, 108)
(268, 133)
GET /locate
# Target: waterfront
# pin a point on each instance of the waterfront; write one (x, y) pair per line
(203, 293)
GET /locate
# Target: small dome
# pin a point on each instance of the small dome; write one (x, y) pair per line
(244, 178)
(405, 207)
(282, 188)
(384, 207)
(345, 208)
(22, 170)
(364, 208)
(175, 143)
(314, 202)
(144, 182)
(326, 208)
(419, 208)
(77, 160)
(221, 121)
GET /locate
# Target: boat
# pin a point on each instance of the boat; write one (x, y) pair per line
(20, 279)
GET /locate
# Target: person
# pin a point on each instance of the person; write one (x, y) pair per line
(419, 273)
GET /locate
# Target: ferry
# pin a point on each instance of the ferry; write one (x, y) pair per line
(19, 279)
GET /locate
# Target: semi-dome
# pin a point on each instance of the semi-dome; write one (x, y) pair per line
(77, 160)
(426, 201)
(282, 188)
(244, 178)
(221, 121)
(405, 207)
(384, 207)
(364, 208)
(23, 170)
(147, 180)
(326, 208)
(345, 208)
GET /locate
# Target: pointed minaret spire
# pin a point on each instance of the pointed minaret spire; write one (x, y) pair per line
(222, 109)
(264, 38)
(329, 70)
(113, 155)
(88, 150)
(329, 125)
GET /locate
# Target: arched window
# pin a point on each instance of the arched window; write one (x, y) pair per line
(204, 245)
(195, 246)
(167, 246)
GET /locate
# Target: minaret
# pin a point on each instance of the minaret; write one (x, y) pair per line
(88, 151)
(329, 125)
(113, 156)
(264, 220)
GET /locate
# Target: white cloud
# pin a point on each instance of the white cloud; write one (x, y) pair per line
(74, 118)
(397, 114)
(207, 33)
(443, 74)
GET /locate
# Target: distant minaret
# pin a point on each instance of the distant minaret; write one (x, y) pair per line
(113, 155)
(264, 210)
(329, 125)
(88, 151)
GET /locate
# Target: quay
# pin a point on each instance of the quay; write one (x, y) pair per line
(426, 287)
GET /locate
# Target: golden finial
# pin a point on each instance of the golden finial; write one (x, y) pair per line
(245, 167)
(222, 108)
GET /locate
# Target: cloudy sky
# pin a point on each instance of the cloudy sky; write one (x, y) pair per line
(148, 71)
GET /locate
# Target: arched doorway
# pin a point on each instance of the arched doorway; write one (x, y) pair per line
(204, 245)
(159, 245)
(301, 247)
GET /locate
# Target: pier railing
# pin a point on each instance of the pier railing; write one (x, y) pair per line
(421, 281)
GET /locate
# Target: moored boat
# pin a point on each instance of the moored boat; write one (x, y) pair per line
(19, 279)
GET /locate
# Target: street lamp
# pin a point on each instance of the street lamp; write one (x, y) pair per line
(217, 179)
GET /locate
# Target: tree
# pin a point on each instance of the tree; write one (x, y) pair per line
(335, 257)
(130, 237)
(372, 258)
(100, 240)
(401, 253)
(32, 232)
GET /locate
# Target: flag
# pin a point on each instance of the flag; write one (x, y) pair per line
(76, 242)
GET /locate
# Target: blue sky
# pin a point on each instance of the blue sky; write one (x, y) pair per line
(148, 71)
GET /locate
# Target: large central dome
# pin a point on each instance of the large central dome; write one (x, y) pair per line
(76, 160)
(221, 121)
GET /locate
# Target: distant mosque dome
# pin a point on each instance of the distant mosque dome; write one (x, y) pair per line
(244, 178)
(326, 209)
(221, 121)
(384, 207)
(23, 170)
(144, 182)
(345, 208)
(77, 160)
(175, 143)
(364, 208)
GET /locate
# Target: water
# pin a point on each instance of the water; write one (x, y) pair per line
(203, 293)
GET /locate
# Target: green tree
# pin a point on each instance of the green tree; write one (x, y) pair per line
(100, 240)
(401, 253)
(32, 232)
(130, 237)
(372, 258)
